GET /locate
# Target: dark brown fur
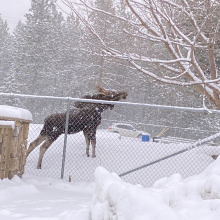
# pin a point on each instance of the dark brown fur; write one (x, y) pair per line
(83, 116)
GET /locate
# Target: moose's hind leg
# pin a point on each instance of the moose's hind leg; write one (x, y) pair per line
(43, 149)
(35, 143)
(90, 137)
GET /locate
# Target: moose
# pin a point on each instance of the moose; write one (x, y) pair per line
(83, 116)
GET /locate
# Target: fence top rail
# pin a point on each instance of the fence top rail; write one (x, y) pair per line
(203, 110)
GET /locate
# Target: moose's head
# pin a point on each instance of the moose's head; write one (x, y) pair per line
(103, 94)
(111, 95)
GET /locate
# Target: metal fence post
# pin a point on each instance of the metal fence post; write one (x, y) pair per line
(65, 138)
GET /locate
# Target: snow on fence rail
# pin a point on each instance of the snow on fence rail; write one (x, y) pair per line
(66, 158)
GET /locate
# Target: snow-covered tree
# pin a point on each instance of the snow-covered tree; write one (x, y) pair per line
(38, 48)
(76, 76)
(5, 54)
(104, 25)
(179, 32)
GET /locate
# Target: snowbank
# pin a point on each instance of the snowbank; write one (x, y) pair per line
(43, 198)
(15, 113)
(196, 197)
(172, 198)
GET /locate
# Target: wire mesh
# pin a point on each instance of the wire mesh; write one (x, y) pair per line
(119, 150)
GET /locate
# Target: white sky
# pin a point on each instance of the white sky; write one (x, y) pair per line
(13, 11)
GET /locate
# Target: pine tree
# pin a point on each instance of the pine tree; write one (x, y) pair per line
(5, 54)
(107, 71)
(71, 58)
(37, 46)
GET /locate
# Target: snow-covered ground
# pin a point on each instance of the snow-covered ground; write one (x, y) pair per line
(116, 155)
(33, 198)
(106, 196)
(110, 198)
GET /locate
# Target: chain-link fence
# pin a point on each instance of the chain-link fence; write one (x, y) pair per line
(140, 142)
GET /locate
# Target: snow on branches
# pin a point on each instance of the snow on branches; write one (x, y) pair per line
(181, 38)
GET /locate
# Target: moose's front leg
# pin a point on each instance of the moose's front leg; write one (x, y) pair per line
(93, 142)
(35, 143)
(87, 142)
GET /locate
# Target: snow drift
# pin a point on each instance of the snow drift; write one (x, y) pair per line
(173, 198)
(110, 198)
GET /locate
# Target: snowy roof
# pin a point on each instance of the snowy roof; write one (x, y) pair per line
(14, 113)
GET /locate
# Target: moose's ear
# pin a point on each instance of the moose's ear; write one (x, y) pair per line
(103, 91)
(124, 96)
(112, 106)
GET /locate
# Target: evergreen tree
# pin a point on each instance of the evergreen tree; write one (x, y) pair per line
(72, 58)
(5, 54)
(37, 46)
(107, 71)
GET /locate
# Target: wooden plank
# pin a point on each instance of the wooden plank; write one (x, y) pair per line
(3, 149)
(1, 140)
(7, 153)
(14, 119)
(13, 149)
(5, 126)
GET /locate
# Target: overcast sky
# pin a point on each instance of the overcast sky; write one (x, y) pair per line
(13, 11)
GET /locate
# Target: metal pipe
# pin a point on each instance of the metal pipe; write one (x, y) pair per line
(192, 146)
(65, 139)
(203, 110)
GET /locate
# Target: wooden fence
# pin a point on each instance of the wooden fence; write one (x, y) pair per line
(13, 146)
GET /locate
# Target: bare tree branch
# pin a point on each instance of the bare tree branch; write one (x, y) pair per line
(183, 30)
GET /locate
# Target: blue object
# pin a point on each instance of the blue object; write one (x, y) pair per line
(145, 137)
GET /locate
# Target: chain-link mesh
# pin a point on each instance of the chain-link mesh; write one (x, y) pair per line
(159, 146)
